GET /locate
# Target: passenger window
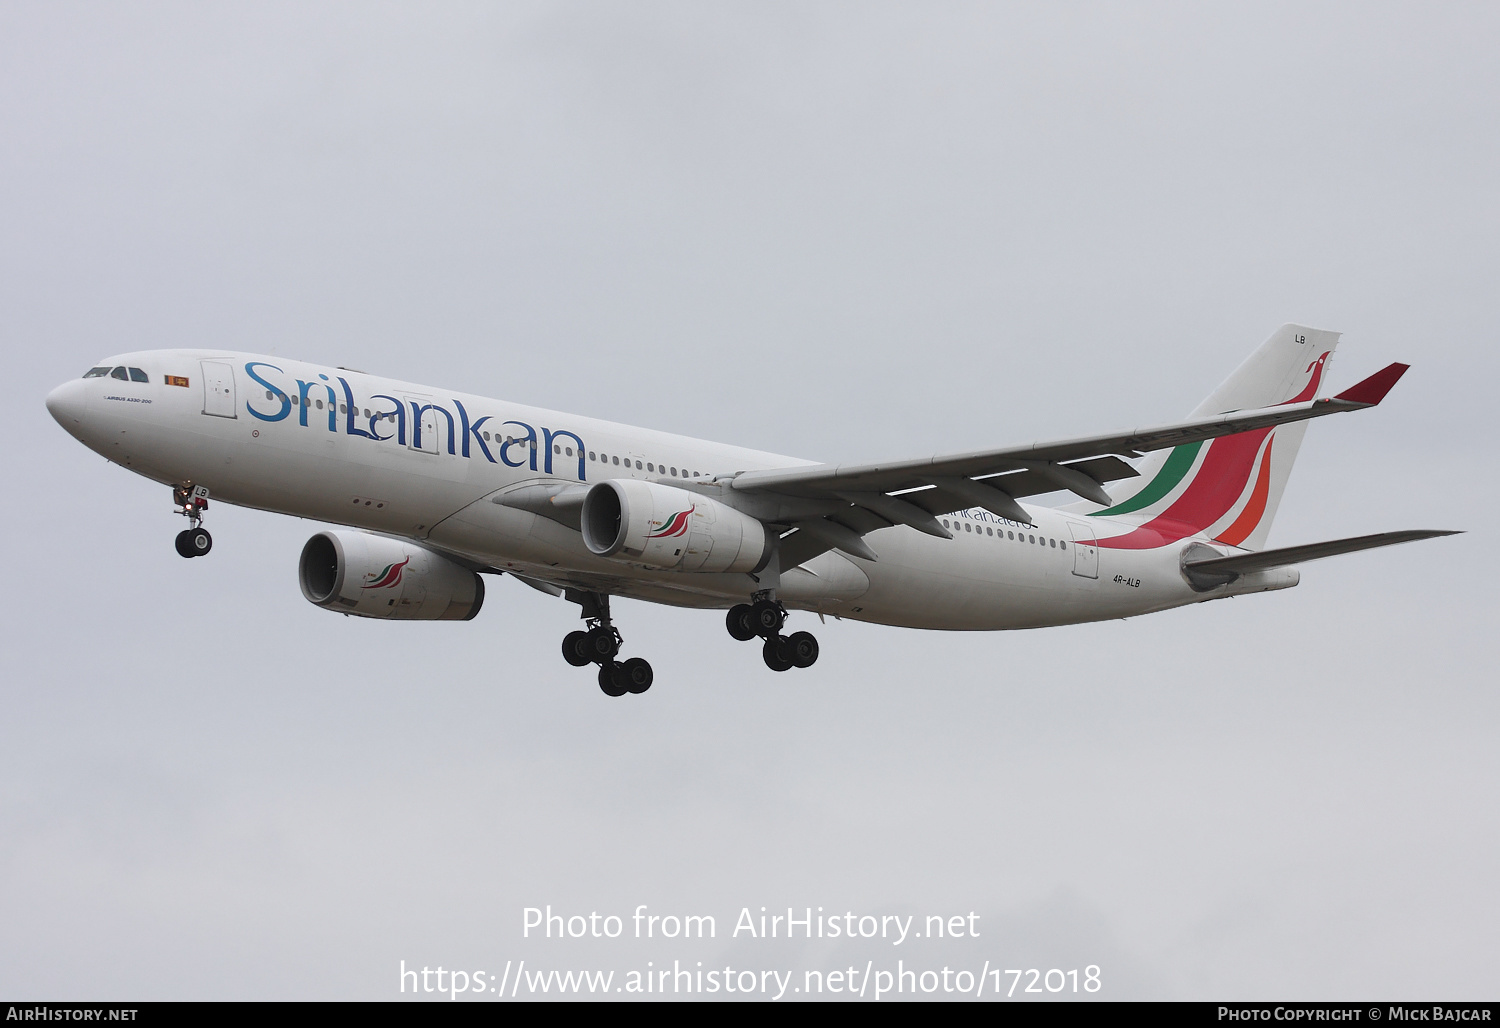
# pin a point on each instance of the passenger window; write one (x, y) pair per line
(570, 451)
(1052, 543)
(615, 459)
(556, 448)
(137, 375)
(121, 374)
(968, 527)
(319, 403)
(1010, 535)
(638, 465)
(96, 373)
(674, 472)
(989, 531)
(591, 455)
(1032, 538)
(1061, 545)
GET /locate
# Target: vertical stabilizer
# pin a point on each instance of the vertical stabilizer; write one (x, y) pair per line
(1228, 488)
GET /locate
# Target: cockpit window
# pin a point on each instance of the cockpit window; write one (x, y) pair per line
(120, 374)
(96, 373)
(137, 375)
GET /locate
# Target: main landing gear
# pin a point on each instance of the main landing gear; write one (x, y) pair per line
(600, 644)
(764, 619)
(192, 501)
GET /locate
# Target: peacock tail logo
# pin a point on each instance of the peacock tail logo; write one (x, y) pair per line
(387, 578)
(675, 525)
(1230, 464)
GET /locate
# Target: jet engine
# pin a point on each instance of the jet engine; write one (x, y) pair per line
(375, 576)
(662, 526)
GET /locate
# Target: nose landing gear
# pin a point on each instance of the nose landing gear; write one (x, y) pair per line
(192, 501)
(764, 619)
(600, 644)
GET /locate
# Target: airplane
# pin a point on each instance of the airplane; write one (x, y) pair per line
(435, 488)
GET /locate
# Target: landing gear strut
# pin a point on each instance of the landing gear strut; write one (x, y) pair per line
(192, 501)
(600, 644)
(764, 619)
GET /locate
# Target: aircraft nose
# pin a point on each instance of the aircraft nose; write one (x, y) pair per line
(67, 404)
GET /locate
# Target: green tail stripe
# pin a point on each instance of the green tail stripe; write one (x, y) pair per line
(1172, 472)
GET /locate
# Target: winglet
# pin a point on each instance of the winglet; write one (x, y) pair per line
(1373, 389)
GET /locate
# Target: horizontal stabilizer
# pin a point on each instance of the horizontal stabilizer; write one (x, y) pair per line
(1246, 563)
(1373, 389)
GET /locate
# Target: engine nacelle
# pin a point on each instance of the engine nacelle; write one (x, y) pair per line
(662, 526)
(375, 576)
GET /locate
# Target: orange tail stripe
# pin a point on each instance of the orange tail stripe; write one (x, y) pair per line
(1250, 516)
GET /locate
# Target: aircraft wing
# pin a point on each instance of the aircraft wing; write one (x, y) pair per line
(839, 503)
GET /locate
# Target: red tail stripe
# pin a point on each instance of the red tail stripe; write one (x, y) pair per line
(1219, 482)
(1250, 516)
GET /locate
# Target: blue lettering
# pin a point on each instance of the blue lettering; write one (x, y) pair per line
(529, 441)
(416, 424)
(286, 401)
(472, 430)
(551, 435)
(399, 412)
(303, 401)
(333, 406)
(349, 395)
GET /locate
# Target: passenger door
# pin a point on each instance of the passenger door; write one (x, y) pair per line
(218, 389)
(427, 423)
(1085, 550)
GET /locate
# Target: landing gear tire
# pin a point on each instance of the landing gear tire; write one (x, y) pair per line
(802, 647)
(611, 683)
(741, 622)
(767, 618)
(636, 675)
(601, 645)
(777, 654)
(194, 542)
(575, 649)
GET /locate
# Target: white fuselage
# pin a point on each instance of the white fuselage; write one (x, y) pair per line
(423, 463)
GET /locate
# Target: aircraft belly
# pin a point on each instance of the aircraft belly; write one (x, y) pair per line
(528, 544)
(966, 584)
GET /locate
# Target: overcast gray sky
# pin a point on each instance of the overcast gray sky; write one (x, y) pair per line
(832, 230)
